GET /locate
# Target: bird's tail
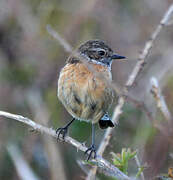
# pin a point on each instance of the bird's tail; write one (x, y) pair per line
(103, 124)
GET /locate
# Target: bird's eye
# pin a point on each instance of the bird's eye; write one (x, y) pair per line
(101, 52)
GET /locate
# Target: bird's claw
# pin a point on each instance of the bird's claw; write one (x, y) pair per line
(92, 151)
(61, 131)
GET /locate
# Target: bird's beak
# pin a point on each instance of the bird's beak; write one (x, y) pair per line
(116, 56)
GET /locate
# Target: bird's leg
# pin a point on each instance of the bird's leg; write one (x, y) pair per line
(63, 130)
(91, 149)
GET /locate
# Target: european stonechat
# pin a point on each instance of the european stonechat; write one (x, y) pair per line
(86, 96)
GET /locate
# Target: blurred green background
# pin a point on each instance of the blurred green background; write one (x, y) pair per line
(30, 61)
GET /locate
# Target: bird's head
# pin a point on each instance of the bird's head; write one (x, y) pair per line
(98, 52)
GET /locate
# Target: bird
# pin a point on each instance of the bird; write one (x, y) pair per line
(83, 87)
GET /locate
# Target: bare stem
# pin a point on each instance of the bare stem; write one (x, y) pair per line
(139, 166)
(148, 46)
(68, 48)
(23, 169)
(160, 101)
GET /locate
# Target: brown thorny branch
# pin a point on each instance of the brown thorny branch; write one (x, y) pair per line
(101, 163)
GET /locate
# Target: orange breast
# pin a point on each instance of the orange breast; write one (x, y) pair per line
(84, 90)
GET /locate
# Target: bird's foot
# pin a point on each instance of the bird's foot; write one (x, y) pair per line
(92, 152)
(62, 131)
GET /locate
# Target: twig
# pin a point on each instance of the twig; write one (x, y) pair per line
(165, 129)
(141, 105)
(160, 101)
(41, 115)
(139, 166)
(22, 167)
(137, 69)
(61, 40)
(110, 169)
(107, 136)
(147, 49)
